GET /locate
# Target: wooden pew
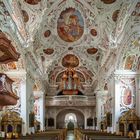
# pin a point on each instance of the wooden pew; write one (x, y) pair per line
(58, 134)
(96, 135)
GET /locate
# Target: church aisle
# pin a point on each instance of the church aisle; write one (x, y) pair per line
(70, 135)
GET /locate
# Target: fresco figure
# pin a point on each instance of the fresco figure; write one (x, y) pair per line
(127, 98)
(129, 62)
(70, 25)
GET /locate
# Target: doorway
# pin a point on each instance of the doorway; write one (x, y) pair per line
(70, 121)
(70, 115)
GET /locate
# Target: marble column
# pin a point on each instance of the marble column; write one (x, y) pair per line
(26, 105)
(42, 111)
(98, 108)
(115, 104)
(138, 95)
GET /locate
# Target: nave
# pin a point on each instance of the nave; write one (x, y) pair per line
(70, 135)
(69, 65)
(76, 134)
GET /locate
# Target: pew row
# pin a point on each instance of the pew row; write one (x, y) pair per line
(96, 135)
(58, 134)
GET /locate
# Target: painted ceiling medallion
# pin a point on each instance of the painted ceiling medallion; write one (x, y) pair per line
(70, 61)
(92, 50)
(32, 2)
(93, 32)
(25, 16)
(108, 1)
(70, 25)
(48, 51)
(115, 15)
(47, 33)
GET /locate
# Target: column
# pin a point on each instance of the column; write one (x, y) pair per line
(26, 92)
(85, 120)
(42, 111)
(115, 104)
(98, 108)
(138, 95)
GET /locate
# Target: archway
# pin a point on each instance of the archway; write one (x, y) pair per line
(69, 115)
(70, 121)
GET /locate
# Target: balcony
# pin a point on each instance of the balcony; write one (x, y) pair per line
(70, 100)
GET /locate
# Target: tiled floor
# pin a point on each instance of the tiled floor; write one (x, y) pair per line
(70, 135)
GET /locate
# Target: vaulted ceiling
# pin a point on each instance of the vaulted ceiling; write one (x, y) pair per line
(82, 34)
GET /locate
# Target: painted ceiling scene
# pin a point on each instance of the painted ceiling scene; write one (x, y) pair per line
(71, 44)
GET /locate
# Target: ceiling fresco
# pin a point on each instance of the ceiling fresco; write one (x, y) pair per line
(70, 25)
(70, 61)
(80, 34)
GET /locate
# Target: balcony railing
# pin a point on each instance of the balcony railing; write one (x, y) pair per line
(70, 100)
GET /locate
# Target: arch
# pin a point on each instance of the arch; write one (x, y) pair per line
(70, 121)
(129, 49)
(60, 117)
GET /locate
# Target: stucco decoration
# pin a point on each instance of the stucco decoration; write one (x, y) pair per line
(70, 25)
(70, 60)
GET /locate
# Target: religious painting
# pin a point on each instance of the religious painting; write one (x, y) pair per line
(70, 25)
(138, 64)
(25, 16)
(90, 122)
(108, 1)
(31, 119)
(128, 89)
(127, 96)
(70, 61)
(93, 32)
(48, 51)
(47, 33)
(115, 15)
(92, 50)
(129, 62)
(32, 2)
